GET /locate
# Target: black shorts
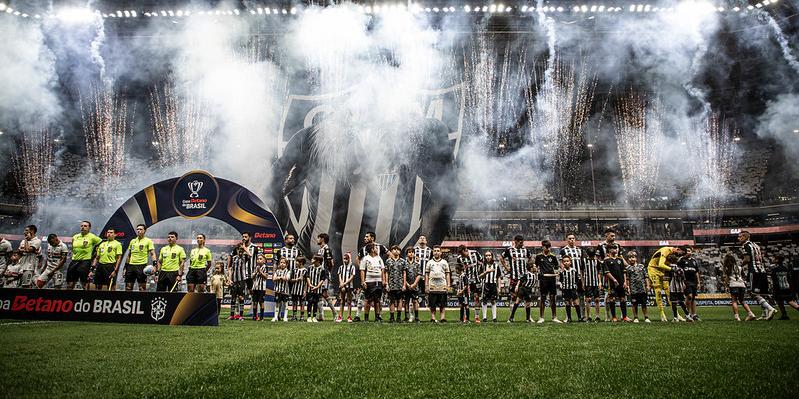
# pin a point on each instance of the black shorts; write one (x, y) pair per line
(639, 298)
(374, 291)
(526, 293)
(239, 288)
(548, 286)
(677, 296)
(102, 273)
(166, 280)
(758, 283)
(690, 289)
(78, 270)
(411, 295)
(592, 292)
(437, 300)
(618, 292)
(783, 295)
(196, 276)
(738, 293)
(135, 273)
(569, 295)
(343, 292)
(489, 292)
(282, 297)
(312, 298)
(297, 299)
(395, 295)
(420, 288)
(462, 300)
(474, 288)
(258, 295)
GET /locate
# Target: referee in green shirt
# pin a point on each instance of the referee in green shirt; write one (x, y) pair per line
(140, 250)
(171, 260)
(83, 245)
(199, 262)
(106, 264)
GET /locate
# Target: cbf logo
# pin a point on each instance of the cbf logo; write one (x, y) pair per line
(195, 194)
(194, 187)
(158, 308)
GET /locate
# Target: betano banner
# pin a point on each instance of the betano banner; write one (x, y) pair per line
(110, 306)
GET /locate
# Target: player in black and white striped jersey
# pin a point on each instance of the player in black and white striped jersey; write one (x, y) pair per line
(525, 291)
(298, 288)
(569, 282)
(423, 254)
(252, 253)
(514, 260)
(289, 252)
(346, 278)
(491, 277)
(758, 288)
(591, 278)
(601, 254)
(280, 283)
(240, 279)
(316, 279)
(330, 289)
(576, 254)
(472, 263)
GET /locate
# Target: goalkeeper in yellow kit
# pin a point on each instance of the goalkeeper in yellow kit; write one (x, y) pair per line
(659, 265)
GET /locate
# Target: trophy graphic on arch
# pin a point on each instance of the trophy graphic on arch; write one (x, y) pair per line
(195, 187)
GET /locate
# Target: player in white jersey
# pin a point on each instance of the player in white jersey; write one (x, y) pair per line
(5, 253)
(30, 249)
(56, 258)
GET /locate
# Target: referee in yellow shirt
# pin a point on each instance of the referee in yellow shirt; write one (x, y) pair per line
(171, 260)
(140, 251)
(106, 264)
(83, 245)
(199, 263)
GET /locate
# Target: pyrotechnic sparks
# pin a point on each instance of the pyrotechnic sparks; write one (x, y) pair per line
(106, 124)
(181, 126)
(562, 107)
(710, 145)
(32, 163)
(638, 129)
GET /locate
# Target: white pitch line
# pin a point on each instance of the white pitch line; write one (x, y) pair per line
(27, 322)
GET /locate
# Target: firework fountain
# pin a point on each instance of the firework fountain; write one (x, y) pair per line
(638, 129)
(107, 122)
(32, 164)
(181, 126)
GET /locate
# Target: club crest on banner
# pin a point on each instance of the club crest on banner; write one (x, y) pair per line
(158, 308)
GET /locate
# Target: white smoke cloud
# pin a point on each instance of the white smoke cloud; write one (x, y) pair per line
(27, 77)
(780, 121)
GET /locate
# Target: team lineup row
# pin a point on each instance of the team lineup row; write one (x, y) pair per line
(379, 273)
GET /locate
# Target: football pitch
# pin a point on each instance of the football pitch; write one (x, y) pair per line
(715, 358)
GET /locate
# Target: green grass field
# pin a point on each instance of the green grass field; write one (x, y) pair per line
(715, 358)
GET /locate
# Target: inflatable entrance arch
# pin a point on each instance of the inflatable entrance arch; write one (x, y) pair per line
(198, 194)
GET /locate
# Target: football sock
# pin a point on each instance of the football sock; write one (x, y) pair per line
(494, 310)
